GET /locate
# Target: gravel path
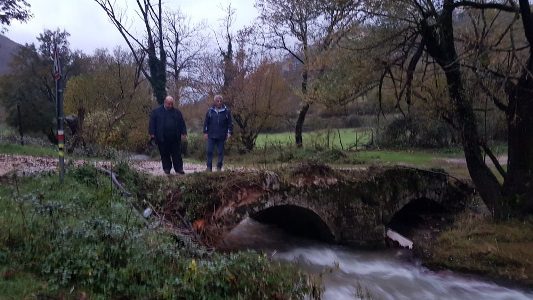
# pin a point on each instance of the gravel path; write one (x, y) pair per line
(25, 165)
(154, 167)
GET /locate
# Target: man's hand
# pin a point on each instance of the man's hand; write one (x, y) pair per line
(228, 136)
(152, 141)
(183, 137)
(205, 136)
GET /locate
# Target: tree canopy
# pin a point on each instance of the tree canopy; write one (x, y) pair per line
(13, 10)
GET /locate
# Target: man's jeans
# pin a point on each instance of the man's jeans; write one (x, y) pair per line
(211, 143)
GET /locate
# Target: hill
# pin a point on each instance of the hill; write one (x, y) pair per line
(7, 49)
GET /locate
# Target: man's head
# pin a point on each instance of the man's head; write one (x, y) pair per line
(217, 101)
(168, 103)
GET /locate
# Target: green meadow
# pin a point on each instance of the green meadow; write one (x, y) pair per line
(343, 138)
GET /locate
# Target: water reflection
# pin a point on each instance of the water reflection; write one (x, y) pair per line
(348, 274)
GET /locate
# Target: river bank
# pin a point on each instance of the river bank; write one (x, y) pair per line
(475, 244)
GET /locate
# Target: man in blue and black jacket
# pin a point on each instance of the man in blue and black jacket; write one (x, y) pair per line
(218, 127)
(167, 128)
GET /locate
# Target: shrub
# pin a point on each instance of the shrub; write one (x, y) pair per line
(194, 147)
(417, 132)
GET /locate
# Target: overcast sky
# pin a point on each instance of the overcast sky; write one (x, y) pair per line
(90, 28)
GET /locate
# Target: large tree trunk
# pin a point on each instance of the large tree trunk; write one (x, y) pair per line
(518, 189)
(158, 74)
(486, 183)
(440, 44)
(159, 86)
(518, 186)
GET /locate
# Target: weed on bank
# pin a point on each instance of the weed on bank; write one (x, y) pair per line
(82, 238)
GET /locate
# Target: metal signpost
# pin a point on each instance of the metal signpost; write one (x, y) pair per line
(59, 114)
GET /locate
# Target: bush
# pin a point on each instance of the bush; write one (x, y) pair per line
(353, 121)
(194, 147)
(417, 132)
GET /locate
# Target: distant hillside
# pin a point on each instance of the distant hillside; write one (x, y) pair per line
(7, 49)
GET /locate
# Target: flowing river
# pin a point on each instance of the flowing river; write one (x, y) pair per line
(355, 274)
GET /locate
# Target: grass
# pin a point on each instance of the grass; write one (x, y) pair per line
(82, 236)
(16, 285)
(498, 250)
(349, 138)
(418, 158)
(287, 155)
(27, 150)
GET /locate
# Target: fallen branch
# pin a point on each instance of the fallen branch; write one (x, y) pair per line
(123, 192)
(113, 176)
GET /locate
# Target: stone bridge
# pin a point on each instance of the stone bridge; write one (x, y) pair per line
(351, 207)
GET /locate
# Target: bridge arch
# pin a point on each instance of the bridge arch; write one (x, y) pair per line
(296, 220)
(421, 214)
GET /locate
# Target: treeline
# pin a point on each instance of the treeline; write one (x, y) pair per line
(438, 72)
(110, 93)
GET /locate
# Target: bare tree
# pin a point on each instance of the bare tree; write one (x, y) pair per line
(225, 46)
(303, 29)
(185, 44)
(151, 46)
(220, 70)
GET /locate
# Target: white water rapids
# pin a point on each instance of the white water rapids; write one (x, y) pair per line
(355, 274)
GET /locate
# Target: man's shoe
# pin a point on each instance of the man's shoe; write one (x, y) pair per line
(209, 170)
(167, 172)
(219, 169)
(180, 172)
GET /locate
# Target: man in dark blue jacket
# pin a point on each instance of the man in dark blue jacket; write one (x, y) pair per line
(218, 126)
(167, 128)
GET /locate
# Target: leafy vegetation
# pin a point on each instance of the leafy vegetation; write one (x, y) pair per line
(82, 237)
(108, 101)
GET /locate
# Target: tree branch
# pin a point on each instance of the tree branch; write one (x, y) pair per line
(494, 159)
(490, 5)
